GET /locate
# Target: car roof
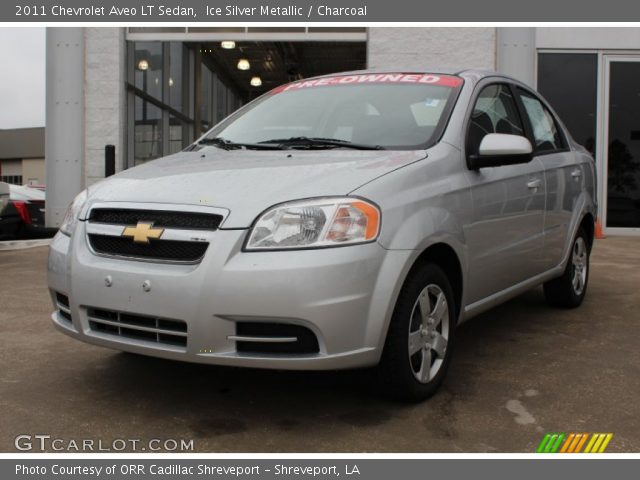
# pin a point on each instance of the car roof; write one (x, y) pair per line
(472, 74)
(20, 192)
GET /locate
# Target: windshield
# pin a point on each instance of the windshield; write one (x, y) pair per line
(392, 111)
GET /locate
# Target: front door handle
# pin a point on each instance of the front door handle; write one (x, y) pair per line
(534, 184)
(577, 173)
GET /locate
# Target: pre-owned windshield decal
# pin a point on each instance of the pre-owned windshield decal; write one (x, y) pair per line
(415, 78)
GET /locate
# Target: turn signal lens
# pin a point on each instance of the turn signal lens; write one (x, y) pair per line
(324, 222)
(70, 219)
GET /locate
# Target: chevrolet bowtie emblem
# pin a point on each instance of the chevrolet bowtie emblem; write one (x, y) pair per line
(142, 232)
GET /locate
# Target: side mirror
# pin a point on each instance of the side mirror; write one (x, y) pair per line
(497, 149)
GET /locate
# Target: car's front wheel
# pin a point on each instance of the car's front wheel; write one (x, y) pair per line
(569, 290)
(420, 337)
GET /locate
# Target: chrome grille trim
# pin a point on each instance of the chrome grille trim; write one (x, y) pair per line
(246, 338)
(143, 328)
(170, 207)
(183, 220)
(169, 234)
(132, 326)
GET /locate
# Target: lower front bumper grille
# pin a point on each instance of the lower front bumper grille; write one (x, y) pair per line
(62, 302)
(275, 338)
(138, 327)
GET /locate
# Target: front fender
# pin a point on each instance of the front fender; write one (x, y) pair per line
(423, 204)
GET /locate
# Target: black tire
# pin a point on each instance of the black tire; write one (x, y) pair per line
(563, 291)
(397, 376)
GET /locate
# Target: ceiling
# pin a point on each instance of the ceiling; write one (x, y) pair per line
(281, 62)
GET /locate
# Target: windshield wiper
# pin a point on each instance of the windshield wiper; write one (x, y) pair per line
(311, 142)
(229, 145)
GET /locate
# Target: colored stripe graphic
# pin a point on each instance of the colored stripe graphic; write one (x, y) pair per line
(598, 442)
(573, 443)
(571, 439)
(550, 443)
(543, 443)
(581, 443)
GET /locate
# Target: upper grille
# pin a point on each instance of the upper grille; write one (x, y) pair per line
(159, 218)
(171, 250)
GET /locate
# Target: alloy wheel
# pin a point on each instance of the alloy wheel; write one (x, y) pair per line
(428, 333)
(579, 265)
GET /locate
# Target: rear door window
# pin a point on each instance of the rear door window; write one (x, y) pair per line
(546, 133)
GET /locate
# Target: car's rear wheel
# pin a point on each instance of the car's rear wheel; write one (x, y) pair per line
(420, 337)
(569, 290)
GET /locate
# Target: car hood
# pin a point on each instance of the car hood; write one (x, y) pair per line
(246, 182)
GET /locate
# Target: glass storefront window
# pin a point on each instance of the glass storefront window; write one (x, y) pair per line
(161, 80)
(220, 100)
(569, 82)
(623, 150)
(148, 61)
(206, 112)
(147, 131)
(176, 73)
(176, 134)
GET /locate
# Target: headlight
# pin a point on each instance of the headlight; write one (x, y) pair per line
(323, 222)
(71, 217)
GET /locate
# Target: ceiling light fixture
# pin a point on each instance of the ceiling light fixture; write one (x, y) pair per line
(143, 65)
(243, 64)
(256, 81)
(228, 44)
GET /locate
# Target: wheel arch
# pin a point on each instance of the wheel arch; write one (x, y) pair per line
(588, 224)
(443, 255)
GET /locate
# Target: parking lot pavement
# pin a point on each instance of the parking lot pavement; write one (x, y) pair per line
(519, 371)
(22, 244)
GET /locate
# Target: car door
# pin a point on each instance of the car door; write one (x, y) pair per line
(505, 237)
(563, 176)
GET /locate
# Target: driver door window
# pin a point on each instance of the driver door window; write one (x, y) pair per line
(495, 111)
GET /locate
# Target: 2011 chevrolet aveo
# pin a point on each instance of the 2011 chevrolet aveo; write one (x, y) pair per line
(343, 221)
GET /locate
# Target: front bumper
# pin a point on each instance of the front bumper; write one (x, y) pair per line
(345, 296)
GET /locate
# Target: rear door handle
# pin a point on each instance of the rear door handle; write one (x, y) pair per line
(577, 173)
(534, 184)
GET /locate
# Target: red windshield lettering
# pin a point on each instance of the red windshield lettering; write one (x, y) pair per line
(444, 80)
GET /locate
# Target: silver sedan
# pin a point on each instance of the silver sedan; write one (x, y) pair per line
(351, 220)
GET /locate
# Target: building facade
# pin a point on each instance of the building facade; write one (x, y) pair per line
(152, 91)
(22, 156)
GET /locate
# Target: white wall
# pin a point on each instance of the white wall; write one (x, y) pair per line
(65, 119)
(105, 109)
(431, 47)
(516, 53)
(33, 171)
(588, 37)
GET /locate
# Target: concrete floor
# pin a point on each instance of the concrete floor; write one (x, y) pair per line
(519, 371)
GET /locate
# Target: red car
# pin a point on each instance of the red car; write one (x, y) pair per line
(22, 215)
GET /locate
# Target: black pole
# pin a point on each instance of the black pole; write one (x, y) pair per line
(109, 160)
